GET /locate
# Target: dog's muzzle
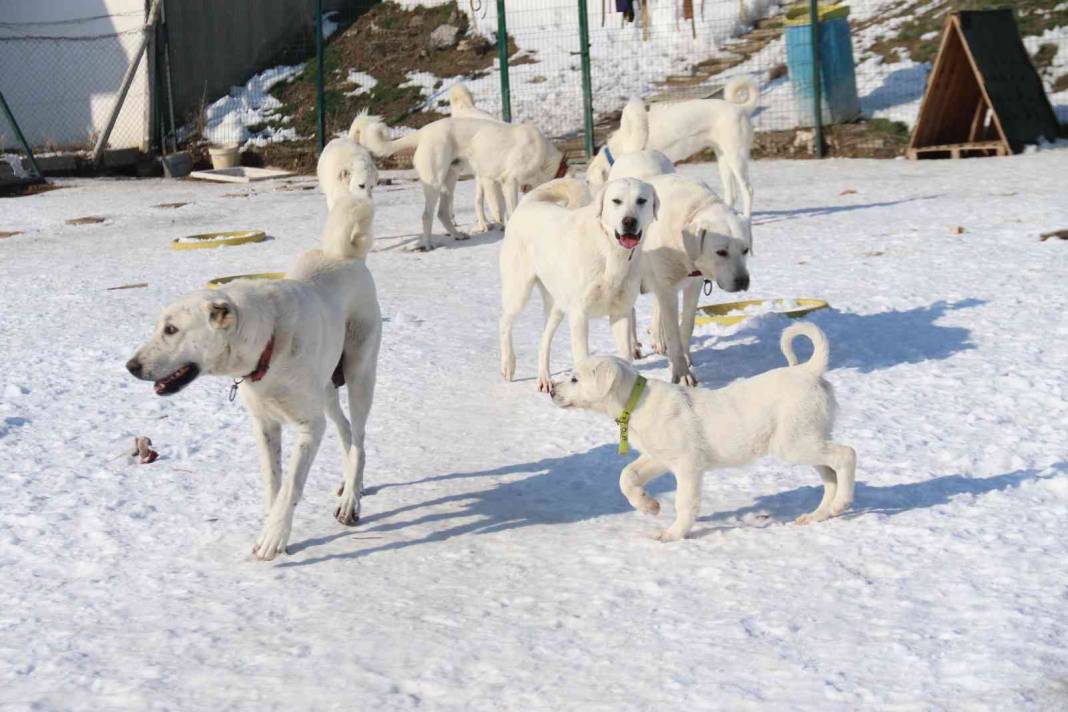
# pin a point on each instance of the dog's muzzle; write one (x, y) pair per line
(176, 381)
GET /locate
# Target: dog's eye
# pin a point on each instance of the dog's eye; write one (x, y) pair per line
(617, 201)
(641, 201)
(362, 186)
(574, 380)
(721, 253)
(745, 251)
(170, 330)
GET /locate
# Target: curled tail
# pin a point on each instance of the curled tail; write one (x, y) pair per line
(369, 131)
(821, 348)
(565, 192)
(742, 91)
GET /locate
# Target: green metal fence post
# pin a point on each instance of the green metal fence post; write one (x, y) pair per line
(18, 134)
(587, 84)
(502, 54)
(320, 99)
(817, 98)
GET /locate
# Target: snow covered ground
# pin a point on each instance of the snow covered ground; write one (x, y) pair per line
(497, 566)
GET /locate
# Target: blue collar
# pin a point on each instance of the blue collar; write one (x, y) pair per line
(608, 155)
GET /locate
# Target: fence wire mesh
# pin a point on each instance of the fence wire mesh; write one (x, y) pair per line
(61, 73)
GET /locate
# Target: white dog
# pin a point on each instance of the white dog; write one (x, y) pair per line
(288, 344)
(642, 165)
(681, 129)
(345, 167)
(509, 157)
(786, 412)
(696, 238)
(462, 104)
(585, 260)
(443, 147)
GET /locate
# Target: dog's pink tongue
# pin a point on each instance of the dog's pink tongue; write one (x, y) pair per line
(629, 241)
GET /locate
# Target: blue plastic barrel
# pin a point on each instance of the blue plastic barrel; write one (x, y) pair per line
(839, 88)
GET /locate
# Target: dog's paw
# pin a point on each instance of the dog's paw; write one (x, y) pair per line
(508, 369)
(684, 376)
(637, 355)
(669, 535)
(421, 247)
(545, 385)
(272, 541)
(461, 236)
(839, 507)
(648, 505)
(660, 347)
(348, 509)
(812, 517)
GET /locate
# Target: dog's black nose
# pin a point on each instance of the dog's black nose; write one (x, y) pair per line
(630, 224)
(741, 283)
(134, 366)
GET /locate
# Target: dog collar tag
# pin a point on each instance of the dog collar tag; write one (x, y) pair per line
(624, 419)
(233, 388)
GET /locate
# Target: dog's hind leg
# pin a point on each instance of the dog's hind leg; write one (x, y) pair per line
(431, 195)
(275, 534)
(332, 408)
(687, 505)
(726, 177)
(836, 465)
(632, 481)
(268, 436)
(480, 204)
(445, 206)
(360, 372)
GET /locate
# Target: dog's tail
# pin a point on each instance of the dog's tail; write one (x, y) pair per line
(633, 127)
(743, 91)
(369, 131)
(460, 98)
(349, 228)
(565, 192)
(821, 348)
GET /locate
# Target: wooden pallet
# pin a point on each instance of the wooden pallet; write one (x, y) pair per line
(957, 150)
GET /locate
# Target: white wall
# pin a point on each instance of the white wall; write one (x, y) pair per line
(62, 90)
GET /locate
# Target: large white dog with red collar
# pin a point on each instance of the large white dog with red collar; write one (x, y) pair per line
(286, 344)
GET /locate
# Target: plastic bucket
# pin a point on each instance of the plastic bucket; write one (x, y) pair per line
(224, 157)
(837, 70)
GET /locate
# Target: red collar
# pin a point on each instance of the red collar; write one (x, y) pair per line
(561, 170)
(264, 363)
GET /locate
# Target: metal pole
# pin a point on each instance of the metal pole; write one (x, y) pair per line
(18, 134)
(146, 33)
(817, 93)
(587, 84)
(502, 54)
(320, 99)
(167, 77)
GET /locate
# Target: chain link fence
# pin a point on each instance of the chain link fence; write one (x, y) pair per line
(61, 71)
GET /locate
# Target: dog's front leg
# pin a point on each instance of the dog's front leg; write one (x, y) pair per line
(579, 324)
(687, 505)
(668, 305)
(632, 481)
(275, 534)
(621, 331)
(445, 205)
(552, 323)
(268, 435)
(691, 296)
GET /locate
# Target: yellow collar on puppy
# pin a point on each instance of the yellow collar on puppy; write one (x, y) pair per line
(624, 419)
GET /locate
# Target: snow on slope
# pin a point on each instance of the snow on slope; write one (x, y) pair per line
(497, 566)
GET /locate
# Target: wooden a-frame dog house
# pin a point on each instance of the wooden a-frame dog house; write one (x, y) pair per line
(984, 96)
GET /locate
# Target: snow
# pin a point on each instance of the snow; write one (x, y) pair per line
(497, 565)
(363, 82)
(227, 121)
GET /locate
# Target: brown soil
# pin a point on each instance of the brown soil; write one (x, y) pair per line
(170, 205)
(6, 233)
(18, 190)
(87, 220)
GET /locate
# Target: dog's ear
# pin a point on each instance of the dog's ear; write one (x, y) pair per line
(598, 199)
(221, 314)
(604, 377)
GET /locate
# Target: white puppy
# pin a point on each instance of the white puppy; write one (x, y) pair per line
(696, 238)
(288, 344)
(345, 167)
(786, 412)
(585, 259)
(681, 129)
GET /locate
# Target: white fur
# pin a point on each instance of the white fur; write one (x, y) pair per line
(681, 129)
(442, 148)
(507, 157)
(324, 314)
(462, 106)
(345, 167)
(571, 249)
(695, 232)
(642, 165)
(786, 412)
(349, 228)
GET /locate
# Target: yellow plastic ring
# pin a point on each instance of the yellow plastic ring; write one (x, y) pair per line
(209, 240)
(721, 313)
(220, 281)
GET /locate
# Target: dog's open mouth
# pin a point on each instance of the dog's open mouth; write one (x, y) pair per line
(178, 380)
(628, 242)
